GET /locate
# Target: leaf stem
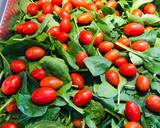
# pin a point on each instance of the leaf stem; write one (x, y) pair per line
(113, 114)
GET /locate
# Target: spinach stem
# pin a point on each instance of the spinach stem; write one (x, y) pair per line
(8, 101)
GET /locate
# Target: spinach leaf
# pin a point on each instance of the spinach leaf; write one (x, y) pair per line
(90, 123)
(23, 5)
(155, 85)
(107, 10)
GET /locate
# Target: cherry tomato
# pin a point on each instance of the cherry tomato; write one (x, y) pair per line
(91, 6)
(53, 31)
(77, 123)
(148, 28)
(57, 9)
(68, 6)
(142, 83)
(18, 66)
(112, 55)
(140, 46)
(82, 97)
(98, 39)
(32, 9)
(65, 15)
(80, 57)
(78, 3)
(9, 125)
(43, 96)
(100, 14)
(40, 3)
(65, 47)
(105, 46)
(47, 8)
(57, 2)
(120, 61)
(86, 37)
(65, 25)
(128, 70)
(133, 29)
(11, 84)
(112, 77)
(34, 53)
(132, 111)
(99, 4)
(62, 37)
(12, 107)
(137, 12)
(117, 13)
(38, 74)
(19, 28)
(41, 18)
(150, 8)
(125, 41)
(132, 125)
(112, 4)
(85, 18)
(77, 79)
(30, 28)
(153, 103)
(52, 82)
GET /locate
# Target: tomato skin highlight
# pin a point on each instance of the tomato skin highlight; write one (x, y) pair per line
(112, 55)
(150, 8)
(65, 25)
(62, 37)
(68, 6)
(112, 4)
(34, 53)
(142, 83)
(57, 9)
(38, 74)
(133, 29)
(40, 3)
(11, 84)
(12, 107)
(32, 9)
(99, 4)
(137, 12)
(77, 79)
(132, 111)
(18, 66)
(9, 125)
(57, 2)
(105, 46)
(78, 3)
(132, 125)
(30, 28)
(123, 40)
(53, 31)
(52, 82)
(153, 103)
(47, 8)
(112, 77)
(99, 38)
(80, 57)
(120, 61)
(41, 18)
(84, 18)
(140, 45)
(43, 96)
(86, 37)
(65, 15)
(82, 98)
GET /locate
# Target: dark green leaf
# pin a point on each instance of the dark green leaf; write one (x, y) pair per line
(107, 10)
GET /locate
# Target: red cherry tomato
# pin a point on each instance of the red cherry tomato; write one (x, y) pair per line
(41, 18)
(34, 53)
(65, 47)
(40, 3)
(18, 66)
(77, 123)
(30, 28)
(65, 15)
(105, 46)
(150, 8)
(65, 25)
(132, 125)
(68, 6)
(117, 13)
(77, 79)
(82, 97)
(80, 57)
(91, 6)
(132, 111)
(78, 3)
(137, 12)
(112, 4)
(57, 9)
(11, 84)
(62, 37)
(112, 77)
(43, 96)
(86, 37)
(142, 83)
(52, 82)
(153, 103)
(85, 18)
(12, 107)
(53, 31)
(133, 29)
(140, 46)
(112, 55)
(99, 4)
(120, 61)
(19, 28)
(32, 9)
(9, 125)
(128, 70)
(47, 8)
(98, 39)
(123, 40)
(57, 2)
(38, 74)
